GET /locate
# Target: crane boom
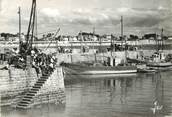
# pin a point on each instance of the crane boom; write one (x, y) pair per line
(31, 27)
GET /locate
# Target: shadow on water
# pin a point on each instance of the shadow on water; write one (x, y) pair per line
(141, 95)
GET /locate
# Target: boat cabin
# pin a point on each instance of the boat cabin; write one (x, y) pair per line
(114, 61)
(158, 56)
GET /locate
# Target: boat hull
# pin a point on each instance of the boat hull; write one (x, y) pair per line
(159, 64)
(100, 70)
(126, 75)
(109, 72)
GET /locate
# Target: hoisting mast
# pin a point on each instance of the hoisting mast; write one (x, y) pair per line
(26, 47)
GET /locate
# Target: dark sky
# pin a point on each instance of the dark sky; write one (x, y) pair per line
(140, 16)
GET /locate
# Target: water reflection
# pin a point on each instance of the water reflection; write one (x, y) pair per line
(106, 97)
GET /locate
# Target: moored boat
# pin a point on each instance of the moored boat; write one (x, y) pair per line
(159, 62)
(146, 70)
(112, 65)
(85, 69)
(110, 70)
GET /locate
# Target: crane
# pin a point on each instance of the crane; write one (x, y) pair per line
(26, 47)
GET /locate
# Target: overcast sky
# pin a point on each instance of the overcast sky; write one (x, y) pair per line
(72, 16)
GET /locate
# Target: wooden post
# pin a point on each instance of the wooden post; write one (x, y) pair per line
(95, 57)
(71, 59)
(111, 61)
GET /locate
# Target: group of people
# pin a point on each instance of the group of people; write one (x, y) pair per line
(43, 63)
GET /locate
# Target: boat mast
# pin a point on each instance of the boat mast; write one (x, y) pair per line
(122, 37)
(111, 46)
(93, 37)
(122, 28)
(19, 12)
(31, 27)
(162, 45)
(81, 40)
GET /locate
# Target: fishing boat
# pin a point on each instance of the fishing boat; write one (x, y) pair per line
(142, 68)
(155, 62)
(111, 65)
(159, 58)
(99, 69)
(159, 62)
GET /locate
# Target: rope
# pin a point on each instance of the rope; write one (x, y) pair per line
(52, 39)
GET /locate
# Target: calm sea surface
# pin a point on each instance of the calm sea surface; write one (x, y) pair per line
(129, 96)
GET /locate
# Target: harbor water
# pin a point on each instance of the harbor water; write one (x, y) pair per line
(124, 96)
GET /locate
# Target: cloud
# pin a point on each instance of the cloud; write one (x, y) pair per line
(0, 5)
(50, 12)
(96, 16)
(123, 9)
(81, 16)
(78, 16)
(147, 21)
(135, 19)
(81, 11)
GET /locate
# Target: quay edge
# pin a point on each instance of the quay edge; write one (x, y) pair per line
(15, 83)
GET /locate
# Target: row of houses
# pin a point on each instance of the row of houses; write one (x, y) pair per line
(84, 36)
